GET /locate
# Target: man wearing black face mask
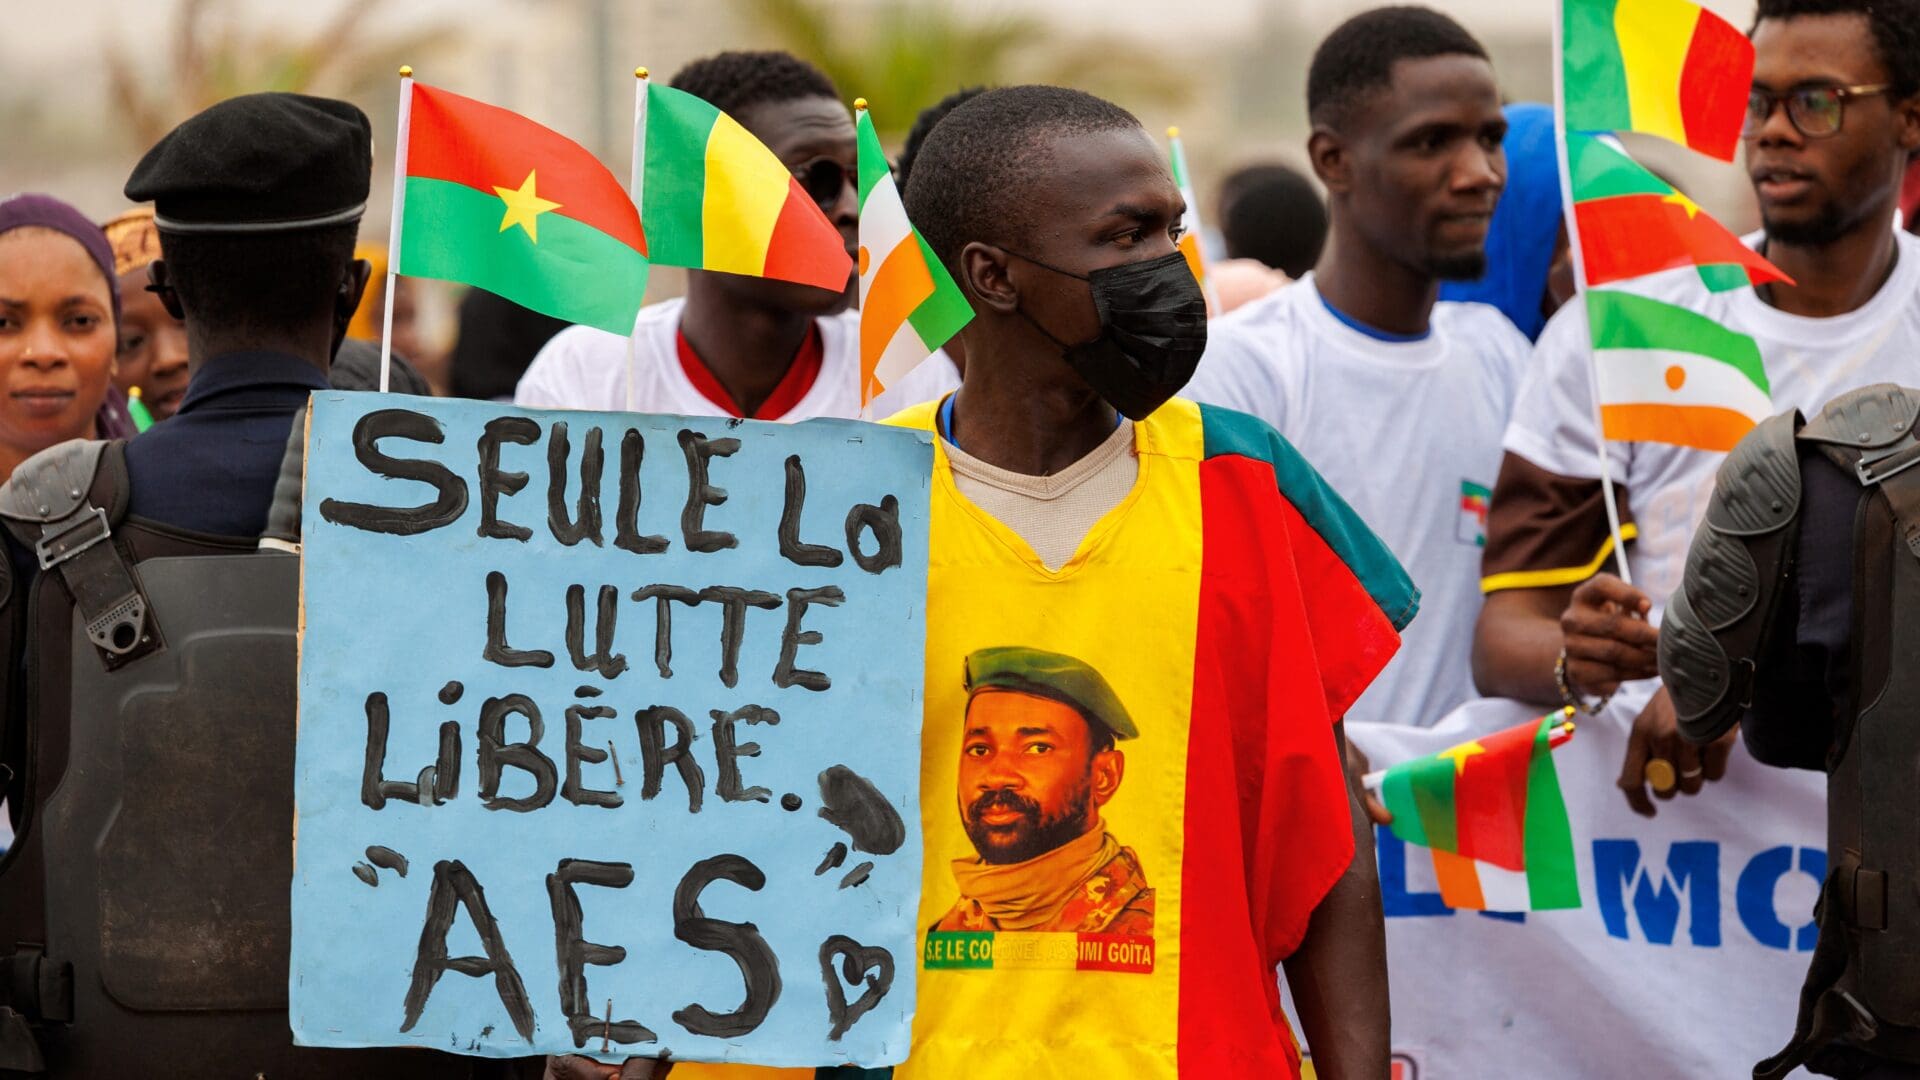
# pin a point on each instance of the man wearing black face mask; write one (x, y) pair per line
(1189, 556)
(1406, 137)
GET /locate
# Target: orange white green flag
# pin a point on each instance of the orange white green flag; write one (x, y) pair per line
(1189, 221)
(715, 198)
(1491, 812)
(909, 303)
(1670, 375)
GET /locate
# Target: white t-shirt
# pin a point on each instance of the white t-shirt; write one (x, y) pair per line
(1687, 955)
(1408, 432)
(931, 378)
(1809, 362)
(586, 368)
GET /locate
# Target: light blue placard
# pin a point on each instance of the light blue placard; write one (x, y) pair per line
(397, 603)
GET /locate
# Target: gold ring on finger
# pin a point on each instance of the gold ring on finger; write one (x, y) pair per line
(1660, 775)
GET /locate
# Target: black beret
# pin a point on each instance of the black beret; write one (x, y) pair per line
(259, 163)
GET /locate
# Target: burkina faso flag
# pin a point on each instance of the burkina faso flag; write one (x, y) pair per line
(494, 200)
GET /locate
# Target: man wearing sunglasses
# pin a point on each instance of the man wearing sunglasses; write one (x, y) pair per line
(734, 345)
(1833, 118)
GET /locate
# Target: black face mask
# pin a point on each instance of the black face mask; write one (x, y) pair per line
(1153, 328)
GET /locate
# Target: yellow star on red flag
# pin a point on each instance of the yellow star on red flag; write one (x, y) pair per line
(524, 207)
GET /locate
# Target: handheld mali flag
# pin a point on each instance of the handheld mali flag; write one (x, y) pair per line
(491, 199)
(1492, 814)
(1633, 223)
(1670, 375)
(909, 304)
(715, 198)
(1661, 67)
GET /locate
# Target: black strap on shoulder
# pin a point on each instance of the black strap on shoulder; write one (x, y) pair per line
(63, 504)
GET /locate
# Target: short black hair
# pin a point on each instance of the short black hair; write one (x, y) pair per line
(259, 282)
(736, 80)
(1895, 25)
(1272, 213)
(1357, 59)
(972, 174)
(923, 125)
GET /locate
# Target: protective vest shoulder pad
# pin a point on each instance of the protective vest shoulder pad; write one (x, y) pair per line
(51, 484)
(1717, 622)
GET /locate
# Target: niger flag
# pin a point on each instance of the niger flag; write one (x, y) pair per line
(494, 200)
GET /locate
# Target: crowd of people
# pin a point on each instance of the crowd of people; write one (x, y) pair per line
(1437, 449)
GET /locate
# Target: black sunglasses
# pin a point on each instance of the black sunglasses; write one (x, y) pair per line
(823, 179)
(1815, 111)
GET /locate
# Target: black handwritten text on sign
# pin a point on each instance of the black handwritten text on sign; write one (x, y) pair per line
(588, 702)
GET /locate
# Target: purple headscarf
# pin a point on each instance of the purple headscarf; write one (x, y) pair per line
(48, 212)
(21, 211)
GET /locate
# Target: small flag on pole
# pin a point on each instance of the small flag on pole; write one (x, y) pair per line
(1633, 223)
(1661, 67)
(1190, 221)
(1670, 375)
(909, 303)
(491, 199)
(1492, 814)
(715, 198)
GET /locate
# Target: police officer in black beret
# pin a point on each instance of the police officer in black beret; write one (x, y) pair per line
(147, 741)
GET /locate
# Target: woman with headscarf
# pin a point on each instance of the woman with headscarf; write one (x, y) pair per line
(1528, 276)
(152, 360)
(59, 319)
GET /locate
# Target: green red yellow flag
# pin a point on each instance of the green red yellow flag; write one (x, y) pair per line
(909, 303)
(1663, 67)
(715, 198)
(494, 200)
(1634, 223)
(1670, 375)
(1492, 814)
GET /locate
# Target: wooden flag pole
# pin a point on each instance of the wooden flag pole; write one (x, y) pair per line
(1580, 285)
(393, 230)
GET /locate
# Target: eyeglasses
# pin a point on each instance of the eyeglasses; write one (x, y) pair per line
(823, 179)
(1816, 111)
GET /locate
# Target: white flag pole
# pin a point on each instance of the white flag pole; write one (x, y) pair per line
(636, 187)
(393, 230)
(1580, 284)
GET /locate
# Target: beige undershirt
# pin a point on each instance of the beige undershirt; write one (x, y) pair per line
(1052, 513)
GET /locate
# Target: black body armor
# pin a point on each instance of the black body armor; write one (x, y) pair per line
(144, 909)
(1726, 626)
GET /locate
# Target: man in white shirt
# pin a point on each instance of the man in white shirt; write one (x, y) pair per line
(734, 345)
(1397, 399)
(1834, 118)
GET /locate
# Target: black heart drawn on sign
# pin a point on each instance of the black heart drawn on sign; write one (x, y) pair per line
(856, 960)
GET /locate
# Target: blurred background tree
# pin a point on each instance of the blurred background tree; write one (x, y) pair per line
(216, 52)
(904, 56)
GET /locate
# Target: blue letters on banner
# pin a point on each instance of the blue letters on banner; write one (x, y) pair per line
(609, 733)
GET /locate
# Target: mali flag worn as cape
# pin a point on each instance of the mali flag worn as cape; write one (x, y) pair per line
(495, 200)
(1233, 607)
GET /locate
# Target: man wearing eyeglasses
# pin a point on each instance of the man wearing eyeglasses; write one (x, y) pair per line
(734, 345)
(1833, 117)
